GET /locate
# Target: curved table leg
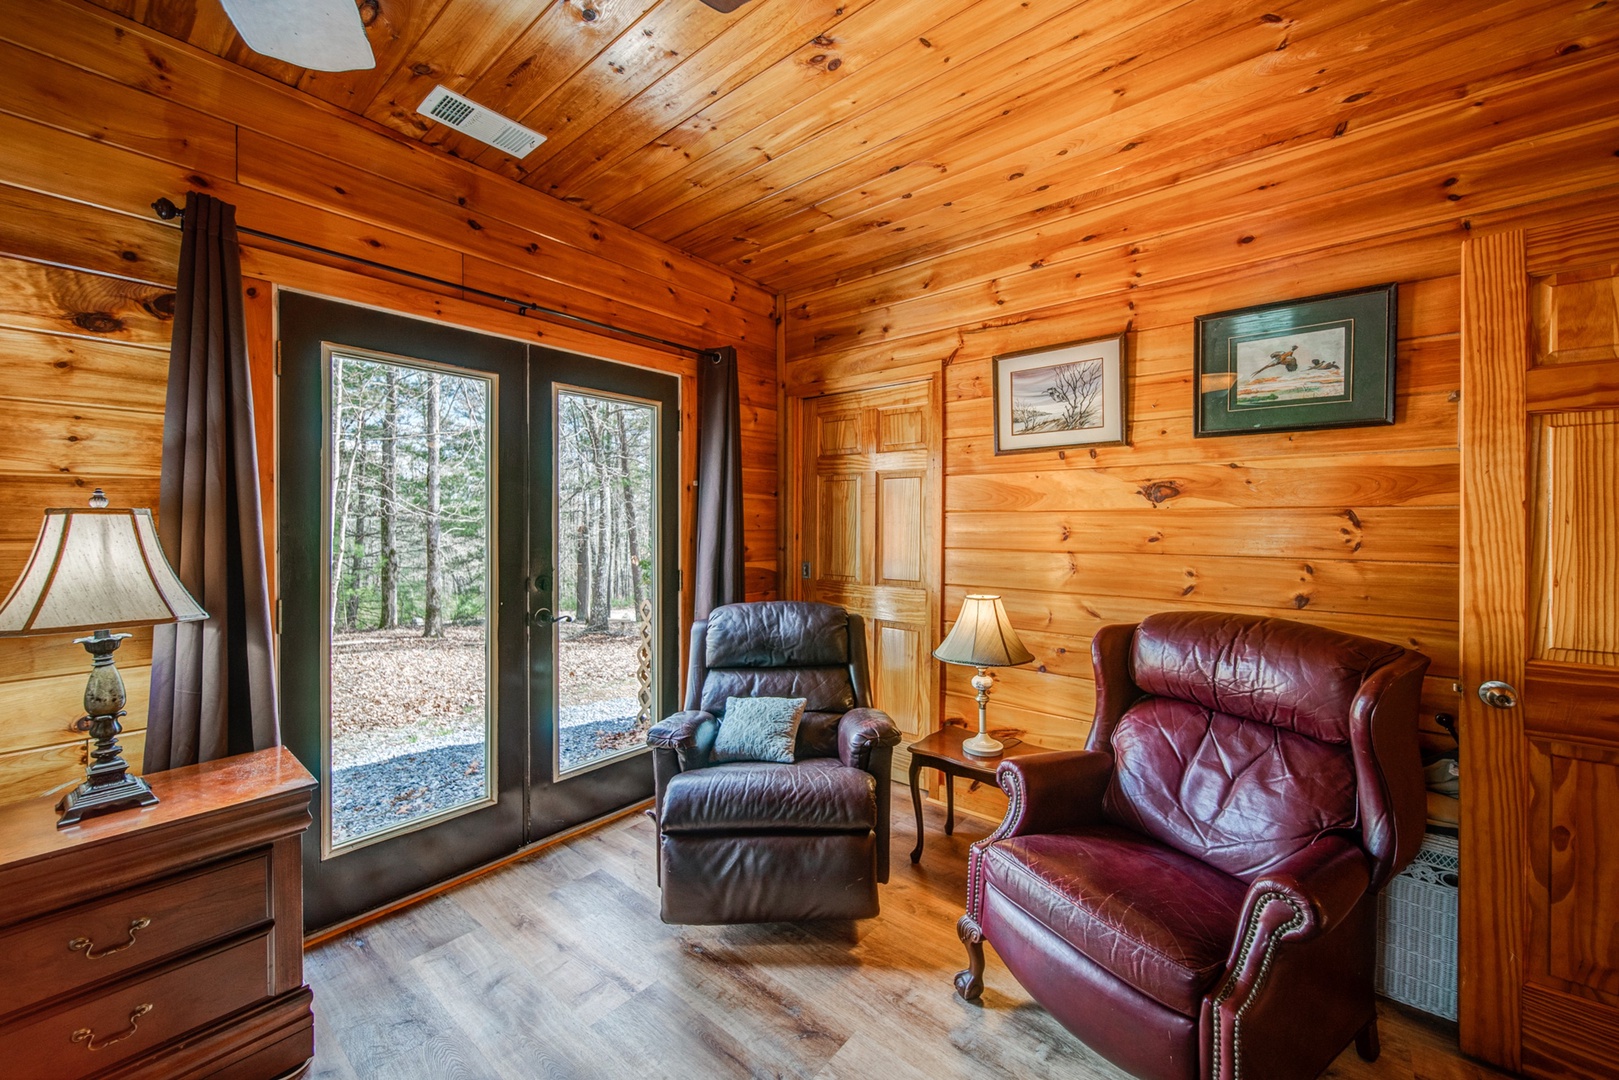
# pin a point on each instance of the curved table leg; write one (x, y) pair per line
(916, 804)
(949, 804)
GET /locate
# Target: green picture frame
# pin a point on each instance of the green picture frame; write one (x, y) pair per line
(1323, 361)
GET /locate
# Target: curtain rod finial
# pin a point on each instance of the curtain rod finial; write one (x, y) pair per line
(166, 209)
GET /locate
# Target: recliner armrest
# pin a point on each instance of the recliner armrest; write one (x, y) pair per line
(859, 731)
(1305, 895)
(1053, 792)
(683, 731)
(679, 742)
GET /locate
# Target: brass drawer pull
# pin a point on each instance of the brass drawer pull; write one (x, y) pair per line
(88, 947)
(88, 1037)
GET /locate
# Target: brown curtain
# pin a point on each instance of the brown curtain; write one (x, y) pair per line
(213, 682)
(719, 577)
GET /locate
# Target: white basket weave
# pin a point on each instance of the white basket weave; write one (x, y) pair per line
(1416, 930)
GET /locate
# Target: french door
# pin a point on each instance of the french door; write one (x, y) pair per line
(477, 571)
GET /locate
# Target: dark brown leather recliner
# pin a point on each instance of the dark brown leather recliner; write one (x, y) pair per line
(763, 842)
(1194, 895)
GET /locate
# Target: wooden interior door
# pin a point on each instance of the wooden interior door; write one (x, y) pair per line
(869, 535)
(1540, 618)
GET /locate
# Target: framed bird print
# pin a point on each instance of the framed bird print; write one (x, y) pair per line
(1319, 362)
(1059, 396)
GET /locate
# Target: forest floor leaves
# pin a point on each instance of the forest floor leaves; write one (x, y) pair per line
(394, 691)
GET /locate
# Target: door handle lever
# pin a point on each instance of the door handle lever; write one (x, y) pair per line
(543, 615)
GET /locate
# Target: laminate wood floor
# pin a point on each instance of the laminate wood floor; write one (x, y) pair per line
(557, 966)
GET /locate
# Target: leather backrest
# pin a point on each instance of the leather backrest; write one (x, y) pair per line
(1238, 795)
(782, 648)
(1239, 739)
(1288, 675)
(777, 634)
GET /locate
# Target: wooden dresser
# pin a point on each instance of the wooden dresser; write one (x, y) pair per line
(162, 943)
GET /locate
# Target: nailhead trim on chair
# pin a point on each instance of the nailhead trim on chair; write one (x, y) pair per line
(1230, 986)
(975, 851)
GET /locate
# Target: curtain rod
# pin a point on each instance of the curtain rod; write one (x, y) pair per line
(168, 211)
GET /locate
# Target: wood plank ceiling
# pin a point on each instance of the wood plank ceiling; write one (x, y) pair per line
(808, 142)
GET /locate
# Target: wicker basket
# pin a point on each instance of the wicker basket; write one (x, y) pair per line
(1416, 930)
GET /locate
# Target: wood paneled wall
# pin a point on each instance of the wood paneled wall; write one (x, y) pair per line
(1355, 529)
(99, 117)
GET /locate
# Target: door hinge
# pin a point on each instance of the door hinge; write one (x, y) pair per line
(680, 581)
(278, 614)
(278, 358)
(804, 570)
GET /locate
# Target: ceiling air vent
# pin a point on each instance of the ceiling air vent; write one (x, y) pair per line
(485, 125)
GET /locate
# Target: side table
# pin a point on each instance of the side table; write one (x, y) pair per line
(942, 750)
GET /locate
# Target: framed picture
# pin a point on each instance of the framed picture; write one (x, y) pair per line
(1059, 396)
(1320, 362)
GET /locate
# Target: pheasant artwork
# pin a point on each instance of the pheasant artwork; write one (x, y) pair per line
(1285, 359)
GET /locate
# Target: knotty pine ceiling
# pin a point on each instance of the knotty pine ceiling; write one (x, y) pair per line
(803, 142)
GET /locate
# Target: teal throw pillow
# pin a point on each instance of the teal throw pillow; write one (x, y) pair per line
(758, 729)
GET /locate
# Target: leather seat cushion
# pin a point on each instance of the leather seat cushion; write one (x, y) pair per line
(1159, 920)
(818, 795)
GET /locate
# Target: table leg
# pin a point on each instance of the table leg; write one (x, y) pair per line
(950, 804)
(916, 804)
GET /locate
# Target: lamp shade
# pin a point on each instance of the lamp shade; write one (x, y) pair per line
(92, 569)
(983, 637)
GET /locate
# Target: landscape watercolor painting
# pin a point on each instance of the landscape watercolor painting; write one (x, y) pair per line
(1303, 365)
(1061, 397)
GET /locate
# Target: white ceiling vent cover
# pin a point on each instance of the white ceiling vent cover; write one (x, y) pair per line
(485, 125)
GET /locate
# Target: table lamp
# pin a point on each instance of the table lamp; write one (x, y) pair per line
(982, 638)
(90, 570)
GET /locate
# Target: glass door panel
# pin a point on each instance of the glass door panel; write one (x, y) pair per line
(607, 529)
(603, 604)
(403, 459)
(409, 485)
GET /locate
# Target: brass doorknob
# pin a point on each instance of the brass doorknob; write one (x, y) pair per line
(1498, 695)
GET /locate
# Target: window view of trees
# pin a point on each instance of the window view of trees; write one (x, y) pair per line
(606, 469)
(409, 598)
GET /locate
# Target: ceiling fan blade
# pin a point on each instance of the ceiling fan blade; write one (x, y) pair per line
(325, 35)
(725, 5)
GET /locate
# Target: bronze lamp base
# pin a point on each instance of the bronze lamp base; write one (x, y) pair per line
(107, 785)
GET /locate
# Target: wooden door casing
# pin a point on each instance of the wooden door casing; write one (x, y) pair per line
(869, 537)
(1540, 611)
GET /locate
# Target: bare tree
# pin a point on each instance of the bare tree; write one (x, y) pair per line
(601, 600)
(627, 492)
(388, 570)
(1076, 388)
(433, 601)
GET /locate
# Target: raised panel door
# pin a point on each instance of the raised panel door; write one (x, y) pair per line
(1540, 614)
(869, 535)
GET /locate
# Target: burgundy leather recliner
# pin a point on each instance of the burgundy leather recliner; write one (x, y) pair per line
(763, 842)
(1195, 894)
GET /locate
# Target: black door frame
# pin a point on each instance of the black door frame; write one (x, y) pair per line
(531, 804)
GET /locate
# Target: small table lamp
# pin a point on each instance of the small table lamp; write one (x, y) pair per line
(982, 638)
(92, 569)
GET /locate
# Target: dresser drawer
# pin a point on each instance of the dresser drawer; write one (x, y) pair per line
(61, 953)
(84, 1036)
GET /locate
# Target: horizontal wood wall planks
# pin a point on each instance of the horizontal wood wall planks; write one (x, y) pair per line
(101, 115)
(1354, 529)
